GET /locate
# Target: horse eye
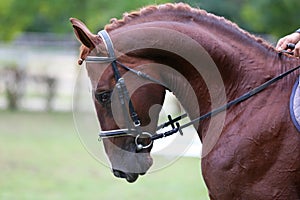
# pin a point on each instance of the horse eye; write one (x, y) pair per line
(103, 97)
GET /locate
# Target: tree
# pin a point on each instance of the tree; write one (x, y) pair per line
(277, 17)
(53, 15)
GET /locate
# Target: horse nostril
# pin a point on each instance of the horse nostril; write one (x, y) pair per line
(130, 177)
(119, 174)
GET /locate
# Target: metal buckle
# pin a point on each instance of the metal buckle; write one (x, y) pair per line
(135, 119)
(137, 123)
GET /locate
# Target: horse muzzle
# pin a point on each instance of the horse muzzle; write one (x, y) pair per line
(130, 177)
(132, 167)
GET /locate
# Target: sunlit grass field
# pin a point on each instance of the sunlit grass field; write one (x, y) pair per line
(41, 158)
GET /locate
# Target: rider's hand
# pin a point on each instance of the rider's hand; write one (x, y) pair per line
(293, 38)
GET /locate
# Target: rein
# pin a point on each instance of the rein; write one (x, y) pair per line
(135, 130)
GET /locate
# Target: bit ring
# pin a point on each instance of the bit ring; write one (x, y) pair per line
(141, 146)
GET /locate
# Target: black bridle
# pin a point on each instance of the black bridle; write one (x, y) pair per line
(133, 122)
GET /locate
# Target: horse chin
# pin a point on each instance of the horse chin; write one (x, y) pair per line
(130, 177)
(132, 172)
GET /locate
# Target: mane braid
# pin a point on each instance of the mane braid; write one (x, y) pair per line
(182, 8)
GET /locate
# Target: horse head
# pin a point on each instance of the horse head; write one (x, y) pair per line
(127, 107)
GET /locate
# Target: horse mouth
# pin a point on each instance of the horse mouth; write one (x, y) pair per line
(132, 172)
(130, 177)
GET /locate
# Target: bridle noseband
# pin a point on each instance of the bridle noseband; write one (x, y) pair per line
(131, 117)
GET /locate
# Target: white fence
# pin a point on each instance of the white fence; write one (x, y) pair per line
(40, 59)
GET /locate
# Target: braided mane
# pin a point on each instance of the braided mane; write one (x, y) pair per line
(150, 10)
(177, 12)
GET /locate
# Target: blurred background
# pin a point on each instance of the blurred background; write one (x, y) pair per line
(41, 156)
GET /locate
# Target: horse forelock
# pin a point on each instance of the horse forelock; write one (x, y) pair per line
(180, 12)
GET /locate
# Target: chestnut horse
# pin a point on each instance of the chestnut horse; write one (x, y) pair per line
(255, 155)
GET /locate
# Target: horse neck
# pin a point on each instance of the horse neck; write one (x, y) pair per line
(242, 61)
(241, 70)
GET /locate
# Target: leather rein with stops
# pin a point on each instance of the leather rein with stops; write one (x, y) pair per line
(133, 124)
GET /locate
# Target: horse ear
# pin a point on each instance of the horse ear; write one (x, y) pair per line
(83, 34)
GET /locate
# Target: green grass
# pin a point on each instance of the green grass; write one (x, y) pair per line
(42, 158)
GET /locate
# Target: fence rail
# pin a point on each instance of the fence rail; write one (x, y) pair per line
(37, 71)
